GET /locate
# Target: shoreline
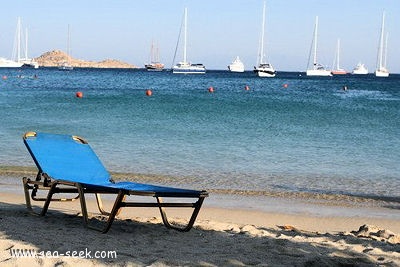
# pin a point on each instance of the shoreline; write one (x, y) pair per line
(9, 173)
(308, 217)
(311, 212)
(299, 209)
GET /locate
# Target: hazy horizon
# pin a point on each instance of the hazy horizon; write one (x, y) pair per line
(218, 31)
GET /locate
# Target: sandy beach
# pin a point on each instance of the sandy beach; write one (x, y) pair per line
(222, 236)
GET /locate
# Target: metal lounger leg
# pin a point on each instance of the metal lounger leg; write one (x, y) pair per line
(83, 204)
(115, 211)
(192, 219)
(26, 191)
(48, 199)
(100, 205)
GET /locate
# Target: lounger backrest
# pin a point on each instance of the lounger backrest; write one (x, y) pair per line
(66, 157)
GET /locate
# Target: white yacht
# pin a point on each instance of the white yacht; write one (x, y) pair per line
(360, 69)
(236, 65)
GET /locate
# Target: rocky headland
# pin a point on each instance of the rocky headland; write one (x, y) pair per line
(57, 57)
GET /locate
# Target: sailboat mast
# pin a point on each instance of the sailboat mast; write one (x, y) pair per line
(26, 43)
(381, 42)
(338, 55)
(385, 58)
(185, 36)
(68, 40)
(315, 40)
(19, 39)
(262, 36)
(157, 55)
(152, 52)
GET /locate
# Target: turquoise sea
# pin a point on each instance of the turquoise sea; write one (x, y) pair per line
(291, 133)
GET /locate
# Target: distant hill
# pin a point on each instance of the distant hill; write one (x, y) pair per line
(56, 57)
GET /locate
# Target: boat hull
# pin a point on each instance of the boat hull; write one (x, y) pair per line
(235, 68)
(265, 70)
(6, 63)
(26, 65)
(152, 68)
(189, 69)
(29, 63)
(339, 72)
(318, 73)
(360, 72)
(265, 73)
(65, 67)
(380, 73)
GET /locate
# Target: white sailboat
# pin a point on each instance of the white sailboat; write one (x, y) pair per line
(25, 61)
(337, 70)
(185, 67)
(316, 69)
(263, 69)
(155, 64)
(360, 69)
(381, 70)
(236, 65)
(8, 63)
(12, 63)
(66, 65)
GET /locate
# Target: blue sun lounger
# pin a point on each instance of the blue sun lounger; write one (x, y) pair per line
(68, 165)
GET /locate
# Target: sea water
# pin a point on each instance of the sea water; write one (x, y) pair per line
(291, 133)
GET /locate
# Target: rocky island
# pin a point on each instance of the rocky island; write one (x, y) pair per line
(57, 57)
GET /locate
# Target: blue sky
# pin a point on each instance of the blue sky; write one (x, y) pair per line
(218, 31)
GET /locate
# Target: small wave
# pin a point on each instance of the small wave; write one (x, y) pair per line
(371, 95)
(17, 171)
(326, 198)
(333, 198)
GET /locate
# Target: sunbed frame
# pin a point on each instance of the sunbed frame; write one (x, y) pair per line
(45, 182)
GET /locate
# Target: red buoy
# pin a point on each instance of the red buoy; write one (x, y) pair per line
(79, 94)
(285, 85)
(149, 92)
(4, 77)
(247, 88)
(211, 89)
